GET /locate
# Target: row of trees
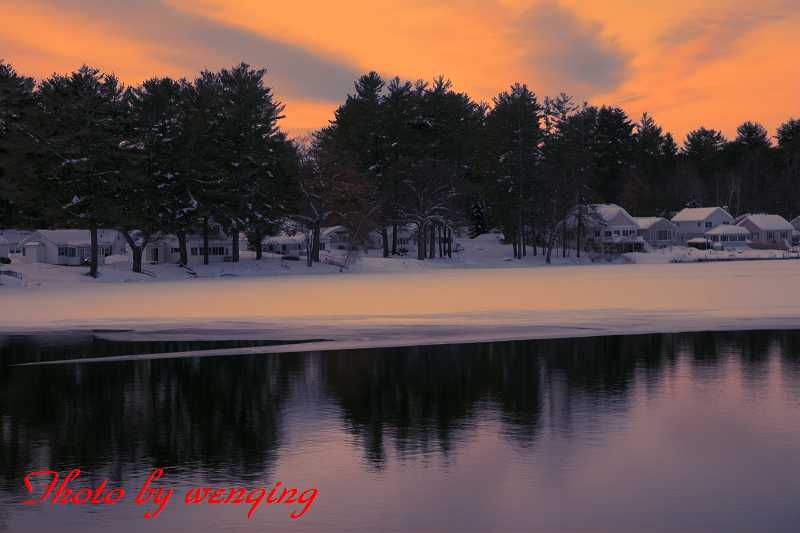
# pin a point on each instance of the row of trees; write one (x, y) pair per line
(175, 155)
(435, 158)
(167, 156)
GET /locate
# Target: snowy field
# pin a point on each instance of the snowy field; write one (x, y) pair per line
(425, 303)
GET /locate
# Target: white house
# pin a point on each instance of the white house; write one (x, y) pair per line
(728, 236)
(768, 231)
(69, 246)
(290, 245)
(657, 231)
(166, 249)
(14, 238)
(693, 222)
(606, 227)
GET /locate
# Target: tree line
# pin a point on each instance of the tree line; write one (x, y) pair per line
(183, 156)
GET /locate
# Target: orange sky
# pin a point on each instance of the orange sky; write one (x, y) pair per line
(715, 63)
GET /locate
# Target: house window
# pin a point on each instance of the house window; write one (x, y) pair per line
(66, 251)
(195, 251)
(770, 235)
(708, 225)
(608, 234)
(176, 250)
(699, 224)
(597, 233)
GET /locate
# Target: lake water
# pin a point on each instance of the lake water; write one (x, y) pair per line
(655, 433)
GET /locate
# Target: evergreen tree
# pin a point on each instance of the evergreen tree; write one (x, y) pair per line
(647, 188)
(84, 115)
(22, 155)
(252, 151)
(155, 195)
(612, 148)
(207, 162)
(788, 166)
(703, 153)
(751, 185)
(513, 136)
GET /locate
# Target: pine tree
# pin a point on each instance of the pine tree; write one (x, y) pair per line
(514, 133)
(155, 196)
(253, 150)
(84, 114)
(22, 154)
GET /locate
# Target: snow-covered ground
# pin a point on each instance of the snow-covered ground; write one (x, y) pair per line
(484, 251)
(473, 298)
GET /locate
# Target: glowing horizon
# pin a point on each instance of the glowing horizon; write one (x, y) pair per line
(698, 63)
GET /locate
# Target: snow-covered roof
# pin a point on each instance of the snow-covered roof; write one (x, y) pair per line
(325, 232)
(14, 235)
(283, 238)
(648, 222)
(769, 222)
(698, 240)
(191, 238)
(608, 211)
(694, 214)
(76, 237)
(728, 229)
(3, 241)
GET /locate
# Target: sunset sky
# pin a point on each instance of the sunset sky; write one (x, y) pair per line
(715, 63)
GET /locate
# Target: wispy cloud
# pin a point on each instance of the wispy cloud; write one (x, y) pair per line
(715, 31)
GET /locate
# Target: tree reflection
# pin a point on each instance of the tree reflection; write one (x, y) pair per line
(205, 414)
(224, 416)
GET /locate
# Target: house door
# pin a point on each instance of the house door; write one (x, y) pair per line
(154, 255)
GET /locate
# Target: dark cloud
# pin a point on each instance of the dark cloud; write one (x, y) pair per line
(569, 55)
(192, 43)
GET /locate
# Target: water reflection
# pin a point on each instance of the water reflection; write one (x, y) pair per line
(560, 411)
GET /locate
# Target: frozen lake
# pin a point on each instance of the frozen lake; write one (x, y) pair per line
(357, 310)
(676, 433)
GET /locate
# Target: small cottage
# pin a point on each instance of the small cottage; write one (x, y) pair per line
(768, 231)
(693, 222)
(727, 236)
(289, 245)
(166, 249)
(69, 246)
(657, 231)
(14, 238)
(605, 227)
